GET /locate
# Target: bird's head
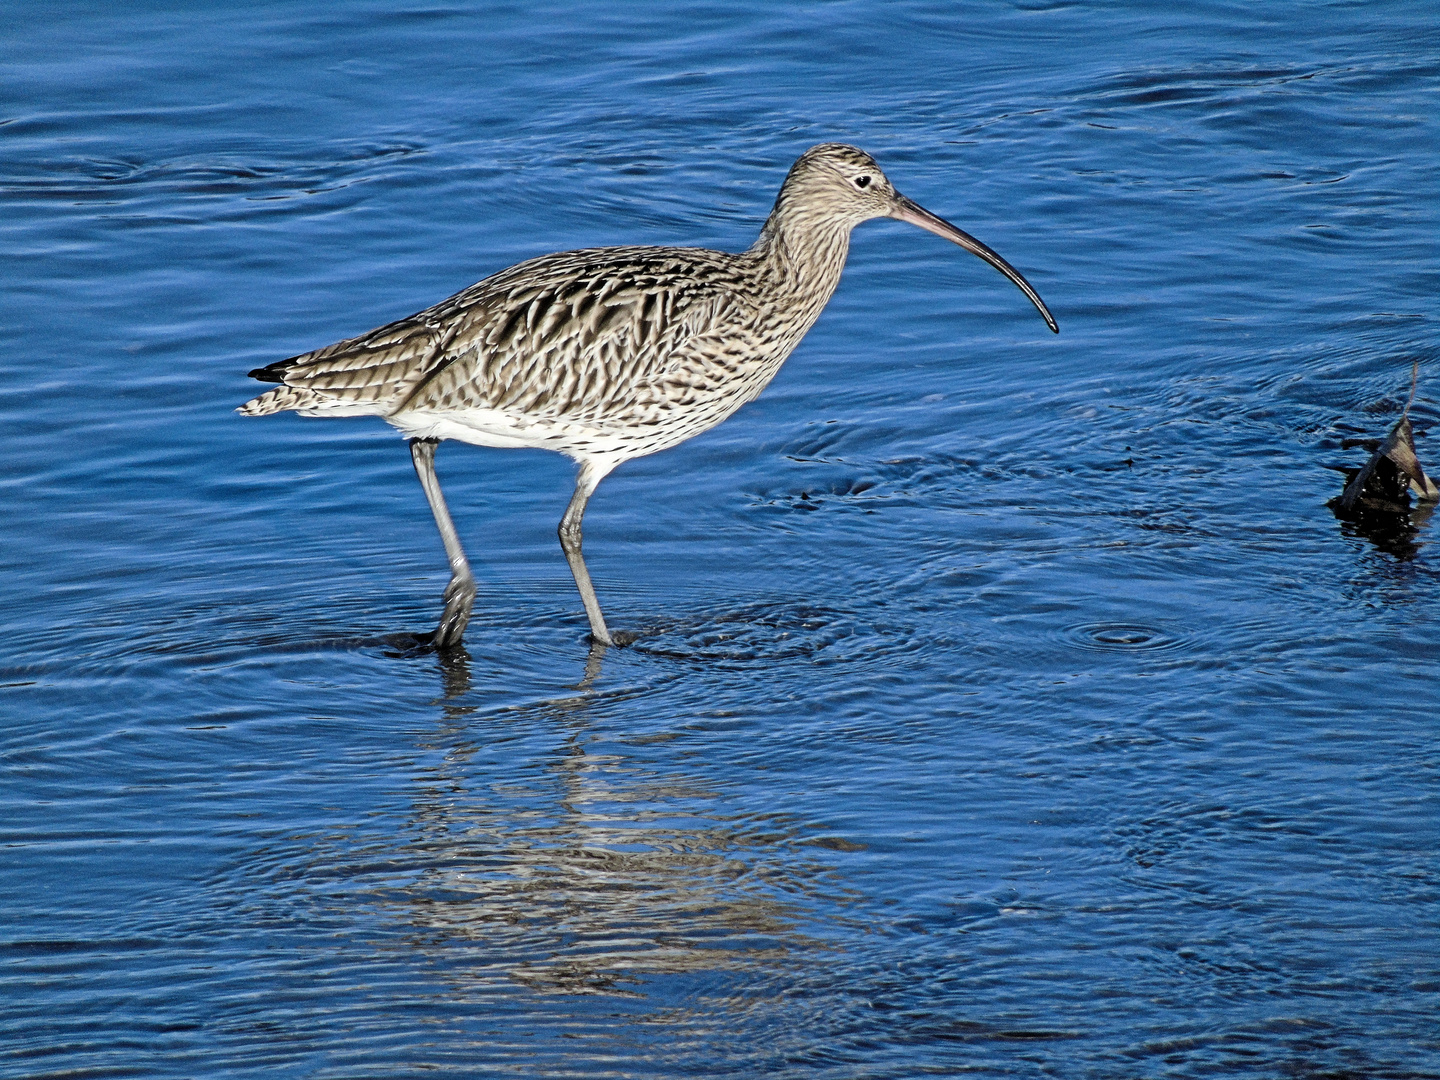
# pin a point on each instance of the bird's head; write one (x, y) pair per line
(835, 184)
(838, 182)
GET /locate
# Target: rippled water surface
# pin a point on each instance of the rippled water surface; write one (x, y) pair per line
(1005, 705)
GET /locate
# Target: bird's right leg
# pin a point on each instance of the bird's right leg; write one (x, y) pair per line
(460, 593)
(591, 474)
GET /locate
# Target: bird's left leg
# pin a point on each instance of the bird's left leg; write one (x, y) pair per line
(591, 473)
(460, 593)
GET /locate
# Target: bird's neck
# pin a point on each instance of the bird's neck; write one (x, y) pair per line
(802, 254)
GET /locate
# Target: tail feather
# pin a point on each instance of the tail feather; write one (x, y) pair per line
(283, 399)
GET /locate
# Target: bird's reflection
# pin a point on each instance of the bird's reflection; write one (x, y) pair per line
(456, 681)
(574, 859)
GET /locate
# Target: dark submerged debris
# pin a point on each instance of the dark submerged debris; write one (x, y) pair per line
(1376, 499)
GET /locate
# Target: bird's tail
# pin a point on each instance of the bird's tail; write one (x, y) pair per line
(284, 399)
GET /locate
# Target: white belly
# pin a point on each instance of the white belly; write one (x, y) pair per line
(486, 427)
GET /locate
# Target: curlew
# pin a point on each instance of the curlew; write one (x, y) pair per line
(604, 354)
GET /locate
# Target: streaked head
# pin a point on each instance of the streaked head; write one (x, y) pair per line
(841, 182)
(844, 185)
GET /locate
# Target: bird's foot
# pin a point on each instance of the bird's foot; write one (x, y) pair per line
(459, 599)
(618, 638)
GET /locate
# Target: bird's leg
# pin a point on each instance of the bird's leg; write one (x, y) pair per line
(460, 593)
(591, 473)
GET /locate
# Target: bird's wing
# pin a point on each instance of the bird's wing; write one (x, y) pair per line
(581, 335)
(574, 335)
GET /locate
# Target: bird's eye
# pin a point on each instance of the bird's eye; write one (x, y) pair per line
(862, 181)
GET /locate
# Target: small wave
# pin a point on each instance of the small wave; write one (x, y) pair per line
(1125, 637)
(768, 633)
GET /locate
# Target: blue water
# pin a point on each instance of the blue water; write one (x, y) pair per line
(1005, 705)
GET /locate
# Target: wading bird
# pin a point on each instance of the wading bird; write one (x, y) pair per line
(605, 354)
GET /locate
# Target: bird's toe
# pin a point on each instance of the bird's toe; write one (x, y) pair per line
(459, 599)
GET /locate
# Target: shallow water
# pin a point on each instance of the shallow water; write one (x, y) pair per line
(1005, 704)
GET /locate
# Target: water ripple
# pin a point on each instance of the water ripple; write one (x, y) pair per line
(1121, 637)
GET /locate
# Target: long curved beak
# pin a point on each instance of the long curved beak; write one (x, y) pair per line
(915, 214)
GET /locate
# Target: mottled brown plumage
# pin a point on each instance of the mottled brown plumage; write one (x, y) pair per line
(604, 354)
